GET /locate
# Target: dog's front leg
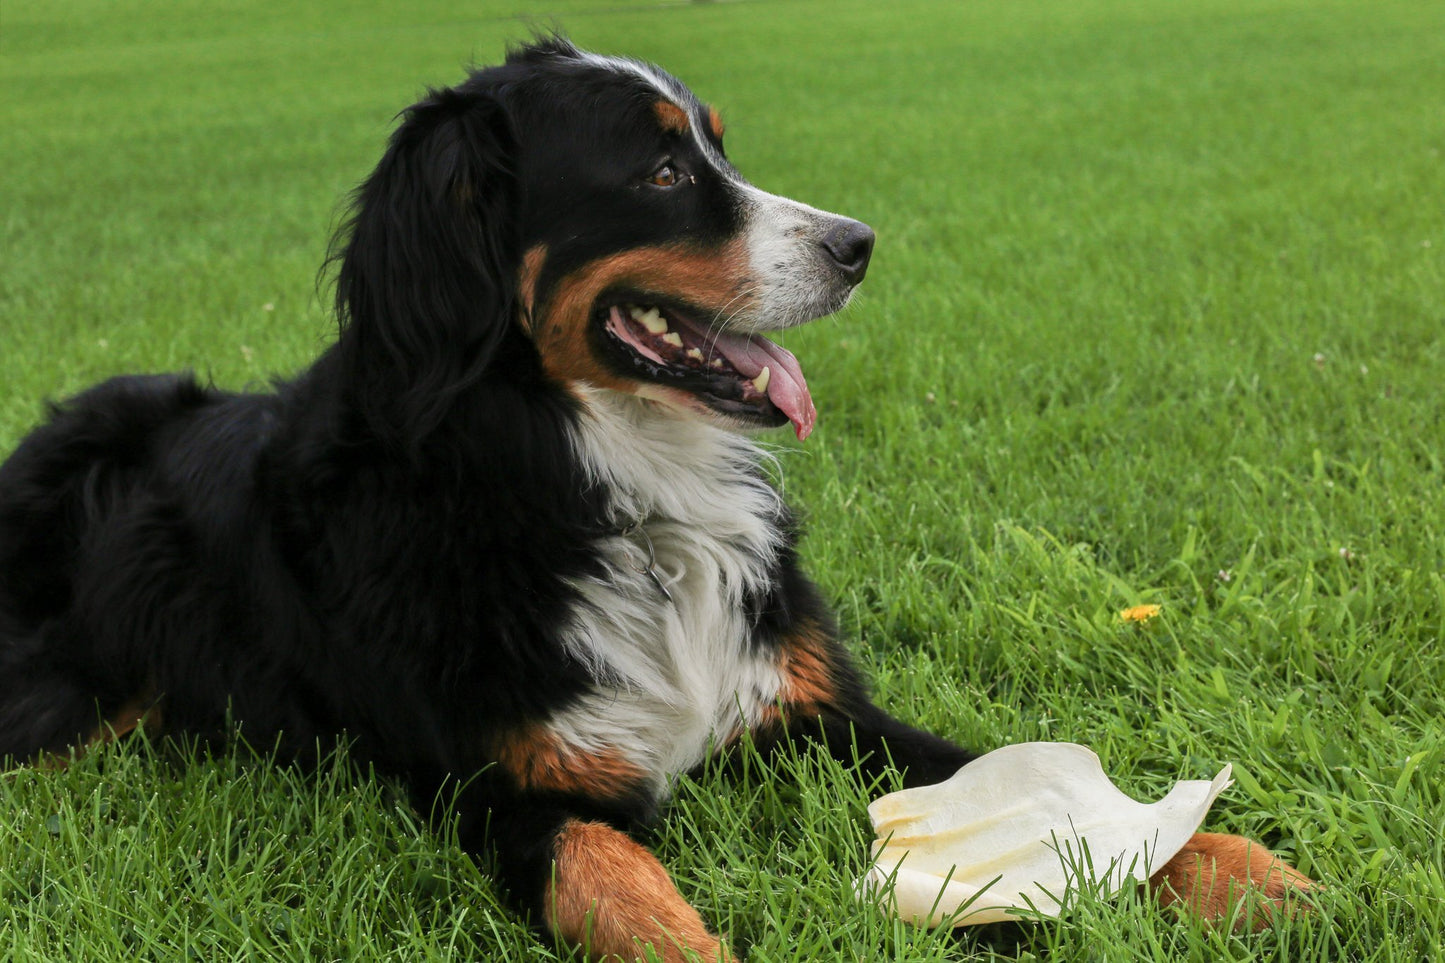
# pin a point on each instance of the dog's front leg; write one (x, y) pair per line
(877, 742)
(612, 897)
(1216, 877)
(1221, 878)
(565, 863)
(822, 699)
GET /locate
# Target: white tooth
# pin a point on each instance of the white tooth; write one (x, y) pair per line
(653, 321)
(716, 362)
(672, 338)
(761, 381)
(635, 312)
(694, 354)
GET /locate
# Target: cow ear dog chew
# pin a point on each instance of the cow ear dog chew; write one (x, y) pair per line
(507, 534)
(1021, 831)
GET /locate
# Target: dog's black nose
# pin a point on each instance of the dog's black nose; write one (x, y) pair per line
(850, 244)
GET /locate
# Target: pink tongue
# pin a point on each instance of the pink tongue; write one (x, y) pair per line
(786, 387)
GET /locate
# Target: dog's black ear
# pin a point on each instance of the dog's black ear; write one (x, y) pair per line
(426, 288)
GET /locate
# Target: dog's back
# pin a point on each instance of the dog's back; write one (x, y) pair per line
(85, 523)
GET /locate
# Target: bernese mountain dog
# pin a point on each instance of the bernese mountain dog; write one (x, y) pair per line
(508, 535)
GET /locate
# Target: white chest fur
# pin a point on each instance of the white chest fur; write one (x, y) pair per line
(672, 674)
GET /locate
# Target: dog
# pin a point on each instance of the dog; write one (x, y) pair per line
(508, 535)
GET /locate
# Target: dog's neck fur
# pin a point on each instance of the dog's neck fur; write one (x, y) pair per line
(672, 673)
(660, 466)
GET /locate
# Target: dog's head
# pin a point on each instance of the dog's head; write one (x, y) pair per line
(585, 204)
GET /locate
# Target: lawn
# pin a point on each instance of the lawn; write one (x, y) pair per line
(1157, 315)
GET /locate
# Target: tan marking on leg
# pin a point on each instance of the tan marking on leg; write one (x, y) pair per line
(143, 713)
(713, 280)
(808, 683)
(770, 719)
(715, 122)
(538, 759)
(1215, 872)
(807, 686)
(613, 898)
(672, 117)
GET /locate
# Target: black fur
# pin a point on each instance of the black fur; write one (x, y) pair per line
(381, 547)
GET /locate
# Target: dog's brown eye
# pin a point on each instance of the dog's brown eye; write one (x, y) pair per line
(664, 176)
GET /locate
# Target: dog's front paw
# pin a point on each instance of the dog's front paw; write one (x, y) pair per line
(1219, 878)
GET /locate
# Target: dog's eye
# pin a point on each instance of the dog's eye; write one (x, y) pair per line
(664, 176)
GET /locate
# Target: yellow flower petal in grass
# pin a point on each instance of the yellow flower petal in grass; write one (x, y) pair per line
(1139, 613)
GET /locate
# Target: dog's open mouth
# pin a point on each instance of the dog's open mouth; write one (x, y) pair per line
(746, 377)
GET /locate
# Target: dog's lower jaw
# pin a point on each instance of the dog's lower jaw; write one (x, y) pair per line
(669, 403)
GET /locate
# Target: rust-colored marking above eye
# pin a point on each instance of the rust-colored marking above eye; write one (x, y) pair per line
(672, 117)
(715, 122)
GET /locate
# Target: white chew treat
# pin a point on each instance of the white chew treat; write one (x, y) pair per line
(1009, 832)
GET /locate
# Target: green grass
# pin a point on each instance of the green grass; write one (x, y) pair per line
(1157, 315)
